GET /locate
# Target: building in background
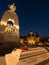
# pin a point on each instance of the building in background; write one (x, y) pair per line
(31, 38)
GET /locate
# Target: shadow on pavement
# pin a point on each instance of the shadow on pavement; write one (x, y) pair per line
(43, 62)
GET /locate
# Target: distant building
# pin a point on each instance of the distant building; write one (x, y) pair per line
(31, 38)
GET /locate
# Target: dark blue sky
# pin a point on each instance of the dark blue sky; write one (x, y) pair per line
(33, 15)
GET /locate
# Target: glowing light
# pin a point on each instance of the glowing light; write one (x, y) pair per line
(3, 23)
(16, 26)
(11, 20)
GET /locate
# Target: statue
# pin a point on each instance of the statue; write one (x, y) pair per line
(12, 7)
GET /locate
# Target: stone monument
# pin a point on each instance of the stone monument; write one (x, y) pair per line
(9, 27)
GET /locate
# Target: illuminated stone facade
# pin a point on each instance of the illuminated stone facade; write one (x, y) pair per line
(9, 32)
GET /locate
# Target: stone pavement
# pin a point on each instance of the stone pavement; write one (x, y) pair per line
(39, 59)
(2, 60)
(42, 59)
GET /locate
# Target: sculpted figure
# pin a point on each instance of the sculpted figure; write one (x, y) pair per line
(12, 7)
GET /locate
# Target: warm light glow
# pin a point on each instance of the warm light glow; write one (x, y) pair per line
(16, 26)
(11, 20)
(21, 41)
(31, 41)
(3, 23)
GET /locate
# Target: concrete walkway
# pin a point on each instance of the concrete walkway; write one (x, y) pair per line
(38, 58)
(2, 60)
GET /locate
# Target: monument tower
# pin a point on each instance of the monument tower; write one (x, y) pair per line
(10, 26)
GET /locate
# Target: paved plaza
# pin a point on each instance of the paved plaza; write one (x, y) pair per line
(35, 56)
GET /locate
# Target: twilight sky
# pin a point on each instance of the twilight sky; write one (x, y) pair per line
(33, 15)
